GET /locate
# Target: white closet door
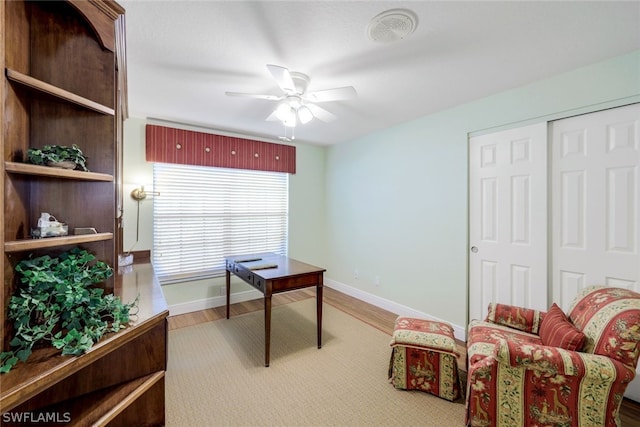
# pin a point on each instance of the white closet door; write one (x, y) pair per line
(508, 219)
(596, 197)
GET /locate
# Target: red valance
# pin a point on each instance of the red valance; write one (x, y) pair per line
(169, 145)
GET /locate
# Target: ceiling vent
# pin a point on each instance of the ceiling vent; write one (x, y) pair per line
(392, 25)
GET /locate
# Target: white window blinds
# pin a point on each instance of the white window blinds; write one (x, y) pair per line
(204, 214)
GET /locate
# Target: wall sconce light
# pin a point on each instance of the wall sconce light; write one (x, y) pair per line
(140, 194)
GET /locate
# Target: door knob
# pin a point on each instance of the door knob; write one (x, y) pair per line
(474, 249)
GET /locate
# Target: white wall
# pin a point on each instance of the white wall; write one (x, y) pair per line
(397, 200)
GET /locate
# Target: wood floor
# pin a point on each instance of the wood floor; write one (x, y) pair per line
(370, 314)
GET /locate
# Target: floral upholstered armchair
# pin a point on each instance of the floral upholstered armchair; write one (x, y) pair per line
(534, 368)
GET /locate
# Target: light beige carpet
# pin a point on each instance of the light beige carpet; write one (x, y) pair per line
(216, 375)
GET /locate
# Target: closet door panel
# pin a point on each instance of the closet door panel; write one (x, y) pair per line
(595, 197)
(604, 149)
(508, 219)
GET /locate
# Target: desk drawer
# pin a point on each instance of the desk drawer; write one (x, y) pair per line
(246, 275)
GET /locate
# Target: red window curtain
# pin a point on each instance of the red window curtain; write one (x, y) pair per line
(169, 145)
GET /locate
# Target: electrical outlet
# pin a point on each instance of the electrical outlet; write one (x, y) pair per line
(355, 273)
(376, 281)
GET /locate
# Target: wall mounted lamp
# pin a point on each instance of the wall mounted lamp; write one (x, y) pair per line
(140, 194)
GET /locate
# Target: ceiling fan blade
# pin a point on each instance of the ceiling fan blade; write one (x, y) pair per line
(321, 114)
(337, 94)
(273, 117)
(255, 95)
(282, 77)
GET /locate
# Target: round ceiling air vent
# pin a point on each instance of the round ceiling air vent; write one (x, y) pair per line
(392, 25)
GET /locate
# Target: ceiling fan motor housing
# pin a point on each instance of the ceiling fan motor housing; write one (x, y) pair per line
(300, 81)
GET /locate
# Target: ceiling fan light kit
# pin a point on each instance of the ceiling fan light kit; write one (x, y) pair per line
(304, 114)
(291, 110)
(283, 111)
(296, 104)
(290, 119)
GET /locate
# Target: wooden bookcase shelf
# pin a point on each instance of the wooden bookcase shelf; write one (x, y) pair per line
(29, 169)
(64, 84)
(54, 91)
(52, 242)
(119, 398)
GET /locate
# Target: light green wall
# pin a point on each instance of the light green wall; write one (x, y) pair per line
(396, 200)
(307, 232)
(306, 210)
(136, 172)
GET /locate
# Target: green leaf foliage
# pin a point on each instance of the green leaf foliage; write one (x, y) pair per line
(57, 301)
(57, 153)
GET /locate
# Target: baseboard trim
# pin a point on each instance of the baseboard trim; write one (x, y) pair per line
(212, 302)
(402, 310)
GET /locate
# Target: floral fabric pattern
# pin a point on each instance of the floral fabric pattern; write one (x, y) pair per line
(483, 337)
(609, 318)
(516, 380)
(424, 358)
(421, 333)
(523, 319)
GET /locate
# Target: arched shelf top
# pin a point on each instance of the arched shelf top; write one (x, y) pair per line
(101, 16)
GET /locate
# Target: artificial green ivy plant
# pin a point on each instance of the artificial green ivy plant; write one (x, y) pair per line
(57, 302)
(56, 154)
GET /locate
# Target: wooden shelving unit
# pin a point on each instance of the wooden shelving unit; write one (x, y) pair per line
(52, 242)
(28, 169)
(54, 91)
(63, 85)
(80, 385)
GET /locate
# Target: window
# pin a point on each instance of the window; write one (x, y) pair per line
(204, 214)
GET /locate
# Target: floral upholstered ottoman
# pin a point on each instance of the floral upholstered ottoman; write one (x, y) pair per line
(424, 357)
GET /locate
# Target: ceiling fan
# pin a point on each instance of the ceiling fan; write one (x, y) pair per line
(296, 104)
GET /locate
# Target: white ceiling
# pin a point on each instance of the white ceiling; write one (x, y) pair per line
(182, 56)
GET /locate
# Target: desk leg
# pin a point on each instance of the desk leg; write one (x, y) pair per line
(319, 311)
(228, 284)
(267, 328)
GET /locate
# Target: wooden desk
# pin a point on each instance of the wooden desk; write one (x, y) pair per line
(270, 274)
